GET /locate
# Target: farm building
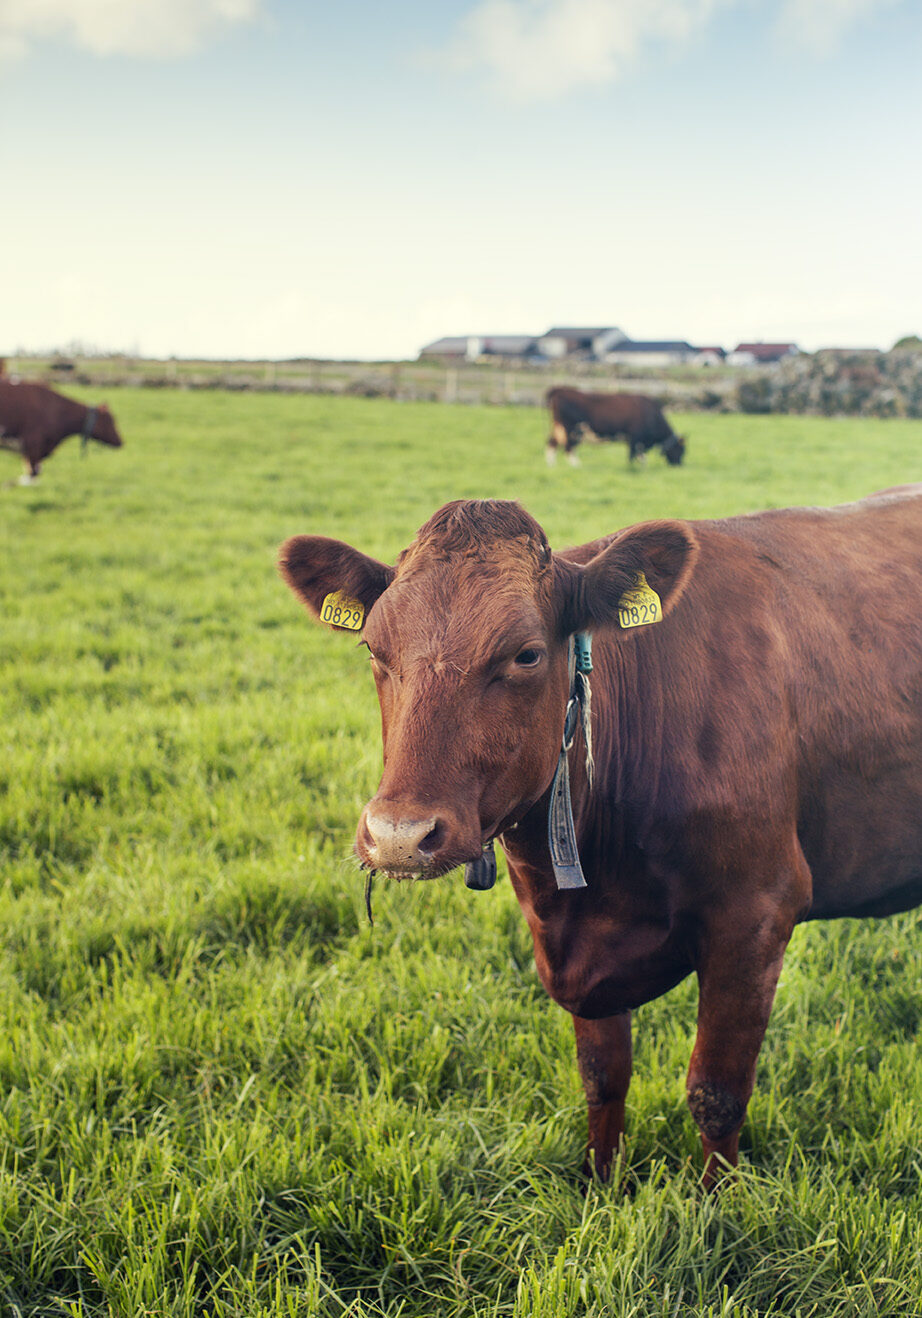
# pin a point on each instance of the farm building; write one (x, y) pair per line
(509, 345)
(579, 341)
(760, 354)
(557, 343)
(602, 343)
(665, 352)
(470, 347)
(462, 348)
(709, 356)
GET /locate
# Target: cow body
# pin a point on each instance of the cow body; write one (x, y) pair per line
(34, 420)
(632, 417)
(758, 753)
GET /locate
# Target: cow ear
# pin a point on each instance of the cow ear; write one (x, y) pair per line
(315, 567)
(665, 552)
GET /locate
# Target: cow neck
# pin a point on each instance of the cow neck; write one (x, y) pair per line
(480, 874)
(68, 416)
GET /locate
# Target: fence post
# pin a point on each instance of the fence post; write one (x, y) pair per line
(451, 385)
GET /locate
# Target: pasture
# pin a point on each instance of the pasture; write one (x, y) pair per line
(221, 1092)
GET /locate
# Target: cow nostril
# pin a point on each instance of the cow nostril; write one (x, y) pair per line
(433, 839)
(365, 835)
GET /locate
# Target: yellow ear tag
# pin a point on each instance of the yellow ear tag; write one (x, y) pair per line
(639, 605)
(340, 610)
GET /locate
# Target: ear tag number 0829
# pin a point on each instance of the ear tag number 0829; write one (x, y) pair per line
(639, 605)
(341, 610)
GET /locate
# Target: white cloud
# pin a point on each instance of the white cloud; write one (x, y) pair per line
(153, 28)
(819, 25)
(538, 49)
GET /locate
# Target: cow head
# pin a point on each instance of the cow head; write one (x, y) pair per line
(468, 641)
(104, 428)
(674, 450)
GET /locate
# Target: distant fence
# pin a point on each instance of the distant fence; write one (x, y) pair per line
(462, 383)
(828, 383)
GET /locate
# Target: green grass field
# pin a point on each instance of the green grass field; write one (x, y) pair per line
(221, 1093)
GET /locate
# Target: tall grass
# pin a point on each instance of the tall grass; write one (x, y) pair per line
(222, 1093)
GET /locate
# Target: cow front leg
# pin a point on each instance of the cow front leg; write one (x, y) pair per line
(603, 1053)
(573, 439)
(557, 439)
(737, 977)
(31, 451)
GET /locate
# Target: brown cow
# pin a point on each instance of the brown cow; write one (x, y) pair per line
(34, 420)
(757, 729)
(633, 417)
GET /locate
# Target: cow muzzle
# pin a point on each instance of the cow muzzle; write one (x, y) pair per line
(412, 843)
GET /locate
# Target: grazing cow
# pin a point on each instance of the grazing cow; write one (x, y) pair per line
(756, 730)
(633, 417)
(34, 420)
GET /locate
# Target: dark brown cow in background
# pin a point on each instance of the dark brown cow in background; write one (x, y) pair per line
(34, 420)
(632, 417)
(757, 729)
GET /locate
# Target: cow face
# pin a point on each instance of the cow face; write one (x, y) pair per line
(104, 428)
(471, 673)
(468, 639)
(674, 450)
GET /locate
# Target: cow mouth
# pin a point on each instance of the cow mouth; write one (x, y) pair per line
(418, 870)
(421, 874)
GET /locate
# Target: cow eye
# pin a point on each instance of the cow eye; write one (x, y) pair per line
(528, 658)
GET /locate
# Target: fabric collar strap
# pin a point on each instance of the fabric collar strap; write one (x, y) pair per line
(561, 831)
(88, 425)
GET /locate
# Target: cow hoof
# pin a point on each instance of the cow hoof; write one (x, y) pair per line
(611, 1175)
(719, 1175)
(27, 480)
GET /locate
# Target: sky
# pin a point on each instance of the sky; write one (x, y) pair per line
(284, 178)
